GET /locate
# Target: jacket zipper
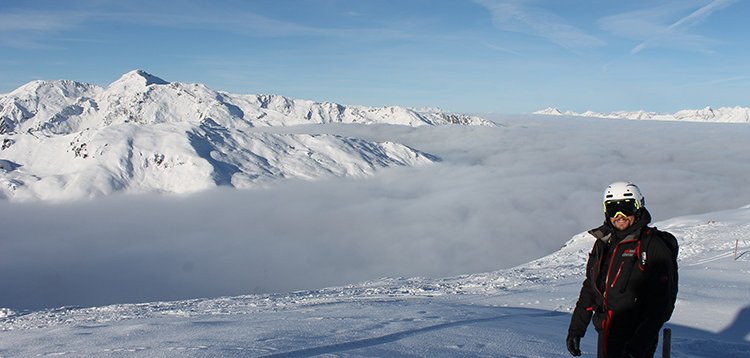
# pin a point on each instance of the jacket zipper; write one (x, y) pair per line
(617, 275)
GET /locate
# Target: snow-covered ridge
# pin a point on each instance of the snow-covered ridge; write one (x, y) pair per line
(708, 114)
(64, 107)
(65, 139)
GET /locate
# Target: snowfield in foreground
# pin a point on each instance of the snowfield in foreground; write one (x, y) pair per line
(517, 312)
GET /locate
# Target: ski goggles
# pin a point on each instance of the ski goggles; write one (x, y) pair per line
(625, 207)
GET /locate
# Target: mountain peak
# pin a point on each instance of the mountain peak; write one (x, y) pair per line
(549, 111)
(140, 77)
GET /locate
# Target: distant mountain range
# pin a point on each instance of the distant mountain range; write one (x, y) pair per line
(708, 114)
(64, 107)
(65, 139)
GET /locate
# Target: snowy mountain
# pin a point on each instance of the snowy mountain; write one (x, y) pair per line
(65, 139)
(521, 311)
(708, 114)
(63, 107)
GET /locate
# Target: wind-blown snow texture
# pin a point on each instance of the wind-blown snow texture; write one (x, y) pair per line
(518, 312)
(141, 134)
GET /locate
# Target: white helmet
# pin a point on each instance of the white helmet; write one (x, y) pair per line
(624, 190)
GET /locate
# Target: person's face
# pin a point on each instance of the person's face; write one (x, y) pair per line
(621, 213)
(622, 222)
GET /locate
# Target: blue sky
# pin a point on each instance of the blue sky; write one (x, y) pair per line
(504, 56)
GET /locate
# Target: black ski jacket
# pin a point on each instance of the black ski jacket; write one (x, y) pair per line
(629, 290)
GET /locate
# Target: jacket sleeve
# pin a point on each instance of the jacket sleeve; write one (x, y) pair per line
(585, 305)
(659, 304)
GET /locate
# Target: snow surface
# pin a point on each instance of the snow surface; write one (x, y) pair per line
(518, 312)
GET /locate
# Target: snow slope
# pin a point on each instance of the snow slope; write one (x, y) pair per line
(181, 158)
(517, 312)
(719, 115)
(141, 134)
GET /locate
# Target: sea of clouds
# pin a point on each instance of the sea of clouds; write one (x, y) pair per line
(499, 197)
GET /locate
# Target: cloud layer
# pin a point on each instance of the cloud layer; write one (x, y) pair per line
(500, 197)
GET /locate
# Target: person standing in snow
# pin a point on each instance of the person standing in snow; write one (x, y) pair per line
(631, 279)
